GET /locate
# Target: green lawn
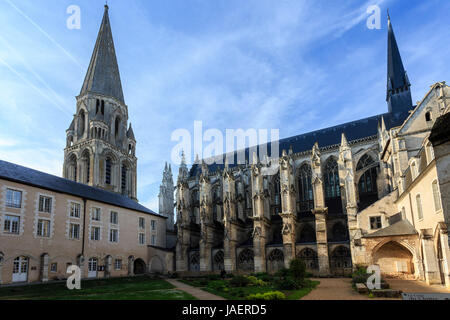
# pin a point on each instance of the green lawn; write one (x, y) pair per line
(131, 288)
(224, 289)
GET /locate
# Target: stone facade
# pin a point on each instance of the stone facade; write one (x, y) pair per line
(335, 205)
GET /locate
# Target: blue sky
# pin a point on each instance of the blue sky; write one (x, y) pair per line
(293, 65)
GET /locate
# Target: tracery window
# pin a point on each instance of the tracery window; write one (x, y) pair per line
(246, 260)
(306, 195)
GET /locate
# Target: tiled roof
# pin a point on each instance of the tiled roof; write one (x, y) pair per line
(13, 172)
(400, 228)
(103, 73)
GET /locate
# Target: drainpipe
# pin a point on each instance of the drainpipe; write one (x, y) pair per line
(84, 227)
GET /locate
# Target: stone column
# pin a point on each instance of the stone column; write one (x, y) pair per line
(131, 266)
(347, 182)
(206, 220)
(260, 223)
(445, 252)
(432, 275)
(320, 212)
(229, 219)
(288, 207)
(183, 222)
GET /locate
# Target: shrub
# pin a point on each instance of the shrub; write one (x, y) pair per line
(288, 283)
(297, 268)
(239, 281)
(217, 285)
(254, 281)
(212, 277)
(271, 295)
(360, 276)
(264, 276)
(282, 273)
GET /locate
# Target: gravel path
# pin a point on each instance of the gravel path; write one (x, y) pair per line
(196, 292)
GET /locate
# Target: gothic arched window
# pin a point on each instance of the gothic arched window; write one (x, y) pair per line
(116, 127)
(124, 178)
(339, 232)
(87, 165)
(367, 184)
(341, 258)
(306, 195)
(276, 195)
(82, 123)
(307, 234)
(309, 256)
(332, 187)
(245, 260)
(108, 164)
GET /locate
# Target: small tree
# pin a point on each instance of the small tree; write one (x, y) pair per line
(297, 268)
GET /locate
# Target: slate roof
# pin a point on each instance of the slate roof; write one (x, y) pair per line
(354, 130)
(103, 73)
(400, 228)
(13, 172)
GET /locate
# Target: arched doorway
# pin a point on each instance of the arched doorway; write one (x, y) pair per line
(394, 259)
(309, 256)
(139, 266)
(218, 261)
(246, 260)
(341, 260)
(275, 261)
(20, 269)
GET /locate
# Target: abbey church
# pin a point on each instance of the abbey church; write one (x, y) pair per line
(369, 192)
(375, 191)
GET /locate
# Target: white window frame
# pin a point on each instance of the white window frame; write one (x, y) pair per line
(111, 238)
(75, 210)
(142, 225)
(96, 214)
(93, 228)
(436, 196)
(47, 203)
(141, 238)
(116, 220)
(13, 203)
(40, 228)
(10, 229)
(153, 225)
(419, 207)
(118, 264)
(71, 231)
(153, 240)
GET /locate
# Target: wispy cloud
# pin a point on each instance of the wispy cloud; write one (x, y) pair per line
(293, 65)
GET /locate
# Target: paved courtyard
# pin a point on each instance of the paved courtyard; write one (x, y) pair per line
(341, 289)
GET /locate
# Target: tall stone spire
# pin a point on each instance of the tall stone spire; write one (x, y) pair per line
(103, 75)
(398, 94)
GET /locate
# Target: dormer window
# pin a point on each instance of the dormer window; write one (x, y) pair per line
(414, 171)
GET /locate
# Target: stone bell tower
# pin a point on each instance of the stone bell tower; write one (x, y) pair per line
(101, 147)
